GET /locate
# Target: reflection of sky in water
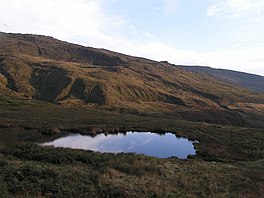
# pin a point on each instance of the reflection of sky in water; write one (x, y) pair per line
(144, 143)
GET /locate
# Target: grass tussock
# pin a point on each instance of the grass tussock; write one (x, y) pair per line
(31, 170)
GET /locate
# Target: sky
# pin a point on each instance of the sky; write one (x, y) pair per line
(224, 34)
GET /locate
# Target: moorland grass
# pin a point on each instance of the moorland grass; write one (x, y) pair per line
(229, 160)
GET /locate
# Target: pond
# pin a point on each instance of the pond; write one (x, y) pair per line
(147, 143)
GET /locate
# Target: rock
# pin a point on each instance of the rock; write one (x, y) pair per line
(50, 131)
(5, 125)
(55, 130)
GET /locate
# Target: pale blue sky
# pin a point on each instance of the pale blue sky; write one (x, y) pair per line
(184, 24)
(218, 33)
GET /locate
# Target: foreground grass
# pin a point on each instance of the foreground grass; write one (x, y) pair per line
(229, 160)
(30, 170)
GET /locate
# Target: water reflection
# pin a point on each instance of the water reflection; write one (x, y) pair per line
(147, 143)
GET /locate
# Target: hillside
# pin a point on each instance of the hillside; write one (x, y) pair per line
(248, 81)
(43, 68)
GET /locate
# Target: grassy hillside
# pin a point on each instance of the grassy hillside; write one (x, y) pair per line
(249, 81)
(43, 68)
(50, 88)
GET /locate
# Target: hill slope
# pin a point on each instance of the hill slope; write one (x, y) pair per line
(47, 69)
(248, 81)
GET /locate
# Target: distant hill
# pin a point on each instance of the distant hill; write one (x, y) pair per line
(43, 68)
(248, 81)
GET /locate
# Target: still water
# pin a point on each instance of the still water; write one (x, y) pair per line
(152, 144)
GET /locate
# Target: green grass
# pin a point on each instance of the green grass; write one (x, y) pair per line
(31, 170)
(229, 160)
(217, 142)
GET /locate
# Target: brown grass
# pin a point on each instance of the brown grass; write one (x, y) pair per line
(46, 69)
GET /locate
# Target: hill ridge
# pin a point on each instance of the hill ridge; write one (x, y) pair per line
(44, 68)
(246, 80)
